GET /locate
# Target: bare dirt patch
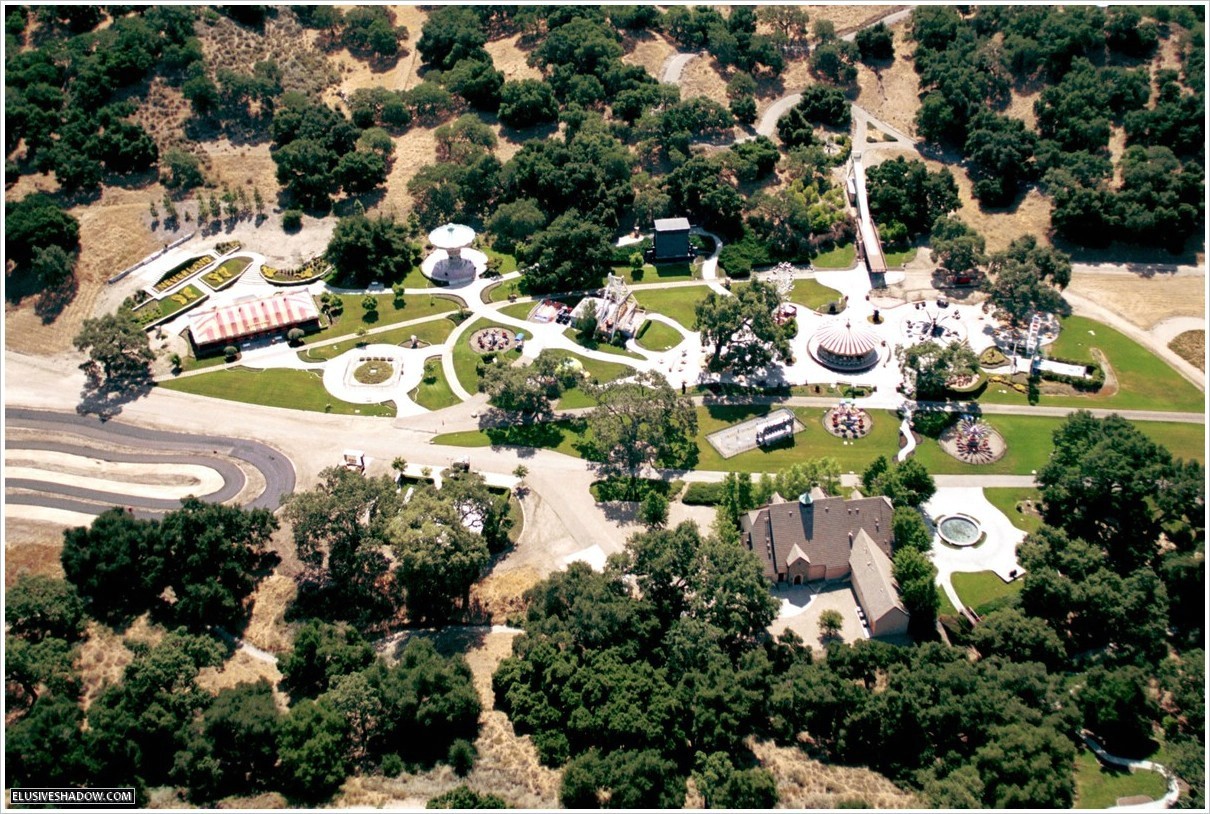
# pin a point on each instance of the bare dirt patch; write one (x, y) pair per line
(242, 668)
(242, 165)
(649, 51)
(1191, 346)
(1143, 301)
(1001, 226)
(113, 235)
(806, 783)
(510, 60)
(701, 78)
(892, 93)
(32, 548)
(267, 628)
(500, 594)
(849, 18)
(414, 149)
(103, 655)
(352, 72)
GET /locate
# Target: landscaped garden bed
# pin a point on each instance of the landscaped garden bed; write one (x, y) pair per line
(227, 272)
(308, 272)
(153, 311)
(183, 271)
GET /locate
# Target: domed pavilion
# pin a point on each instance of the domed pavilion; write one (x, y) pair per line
(844, 348)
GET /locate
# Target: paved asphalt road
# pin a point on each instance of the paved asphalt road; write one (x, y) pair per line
(275, 467)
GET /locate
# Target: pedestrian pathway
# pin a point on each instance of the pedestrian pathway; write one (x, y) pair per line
(1167, 801)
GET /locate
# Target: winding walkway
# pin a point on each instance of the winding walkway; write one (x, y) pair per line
(1167, 801)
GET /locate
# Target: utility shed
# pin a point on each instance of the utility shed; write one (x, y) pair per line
(671, 238)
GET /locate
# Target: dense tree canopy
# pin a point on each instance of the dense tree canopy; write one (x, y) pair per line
(642, 422)
(741, 328)
(364, 249)
(906, 198)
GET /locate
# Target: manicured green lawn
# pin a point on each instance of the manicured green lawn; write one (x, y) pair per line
(1145, 381)
(518, 310)
(980, 587)
(434, 333)
(189, 363)
(658, 336)
(658, 273)
(947, 607)
(227, 272)
(1006, 500)
(414, 307)
(603, 347)
(500, 293)
(466, 358)
(1029, 444)
(894, 259)
(598, 370)
(192, 295)
(508, 263)
(1100, 786)
(436, 394)
(561, 436)
(812, 294)
(293, 389)
(841, 257)
(813, 442)
(677, 303)
(416, 279)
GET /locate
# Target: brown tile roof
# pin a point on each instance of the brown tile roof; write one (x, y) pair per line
(821, 530)
(872, 578)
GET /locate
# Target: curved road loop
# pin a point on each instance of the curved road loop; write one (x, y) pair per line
(162, 447)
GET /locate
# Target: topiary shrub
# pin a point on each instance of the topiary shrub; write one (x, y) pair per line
(230, 352)
(291, 220)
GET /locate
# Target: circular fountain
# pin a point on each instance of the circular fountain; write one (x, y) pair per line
(959, 530)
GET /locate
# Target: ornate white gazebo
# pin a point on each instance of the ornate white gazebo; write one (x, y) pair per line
(452, 261)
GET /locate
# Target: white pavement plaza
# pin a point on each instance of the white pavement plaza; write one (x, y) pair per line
(997, 553)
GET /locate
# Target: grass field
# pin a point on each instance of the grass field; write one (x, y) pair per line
(1029, 444)
(466, 359)
(500, 293)
(518, 310)
(561, 436)
(658, 336)
(894, 259)
(434, 333)
(812, 294)
(980, 587)
(657, 274)
(1145, 381)
(1029, 440)
(1100, 786)
(598, 370)
(436, 394)
(292, 389)
(676, 303)
(353, 318)
(603, 347)
(947, 607)
(1006, 499)
(841, 257)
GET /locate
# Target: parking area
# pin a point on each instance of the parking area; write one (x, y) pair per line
(801, 607)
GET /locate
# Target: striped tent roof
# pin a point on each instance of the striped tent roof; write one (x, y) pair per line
(845, 341)
(252, 317)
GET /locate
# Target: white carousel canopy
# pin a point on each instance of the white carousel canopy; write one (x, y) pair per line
(451, 236)
(844, 340)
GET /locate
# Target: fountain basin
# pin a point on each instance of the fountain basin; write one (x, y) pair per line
(959, 530)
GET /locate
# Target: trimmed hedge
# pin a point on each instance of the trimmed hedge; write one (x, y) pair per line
(1090, 385)
(703, 494)
(931, 423)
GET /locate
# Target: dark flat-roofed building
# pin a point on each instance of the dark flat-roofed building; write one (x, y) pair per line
(672, 239)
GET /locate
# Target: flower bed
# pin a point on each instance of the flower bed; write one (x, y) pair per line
(227, 272)
(229, 246)
(308, 272)
(183, 271)
(155, 311)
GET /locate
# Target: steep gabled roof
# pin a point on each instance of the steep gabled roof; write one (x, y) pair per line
(822, 530)
(872, 574)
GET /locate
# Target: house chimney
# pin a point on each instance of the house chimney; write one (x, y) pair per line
(850, 539)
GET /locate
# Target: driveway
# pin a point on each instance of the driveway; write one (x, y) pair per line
(997, 553)
(802, 605)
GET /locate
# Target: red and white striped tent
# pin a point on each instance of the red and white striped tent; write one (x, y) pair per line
(252, 317)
